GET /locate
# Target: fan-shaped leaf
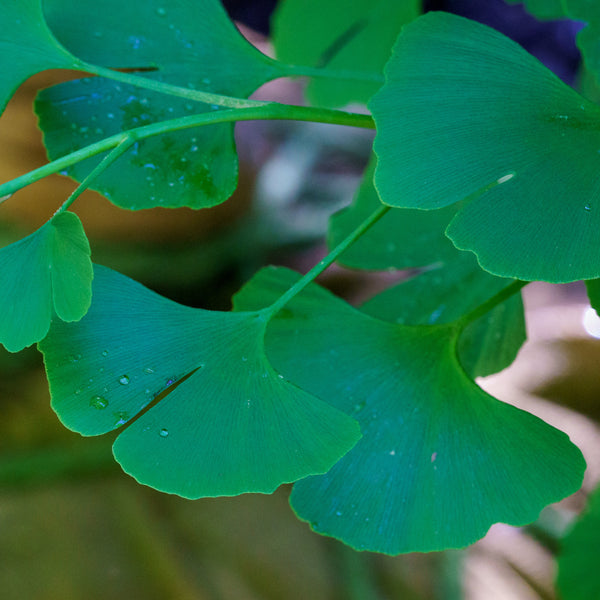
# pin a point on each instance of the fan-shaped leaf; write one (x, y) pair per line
(351, 36)
(449, 291)
(467, 111)
(192, 44)
(578, 575)
(233, 426)
(27, 46)
(48, 272)
(439, 460)
(401, 239)
(452, 286)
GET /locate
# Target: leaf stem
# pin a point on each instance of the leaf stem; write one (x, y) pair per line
(262, 111)
(327, 261)
(494, 301)
(110, 158)
(327, 73)
(170, 89)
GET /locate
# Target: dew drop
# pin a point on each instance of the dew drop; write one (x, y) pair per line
(587, 207)
(98, 402)
(164, 433)
(170, 381)
(148, 370)
(124, 380)
(104, 352)
(161, 12)
(244, 359)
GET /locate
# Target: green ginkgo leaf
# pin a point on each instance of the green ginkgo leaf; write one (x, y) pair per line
(578, 575)
(191, 44)
(439, 461)
(449, 291)
(47, 273)
(351, 36)
(465, 111)
(234, 424)
(27, 46)
(452, 285)
(401, 239)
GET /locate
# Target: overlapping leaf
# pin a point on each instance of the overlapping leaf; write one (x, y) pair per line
(350, 36)
(191, 44)
(451, 286)
(27, 46)
(47, 273)
(439, 460)
(467, 111)
(578, 575)
(233, 426)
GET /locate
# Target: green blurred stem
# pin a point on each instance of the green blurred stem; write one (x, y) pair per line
(482, 309)
(261, 111)
(108, 160)
(326, 262)
(326, 73)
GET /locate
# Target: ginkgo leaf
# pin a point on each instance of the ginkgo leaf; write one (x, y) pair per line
(452, 285)
(234, 425)
(48, 272)
(192, 44)
(401, 239)
(578, 576)
(27, 46)
(439, 461)
(465, 111)
(352, 36)
(445, 293)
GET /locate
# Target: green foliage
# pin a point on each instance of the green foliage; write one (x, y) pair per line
(578, 576)
(337, 38)
(434, 467)
(373, 413)
(233, 426)
(190, 44)
(49, 272)
(498, 125)
(27, 46)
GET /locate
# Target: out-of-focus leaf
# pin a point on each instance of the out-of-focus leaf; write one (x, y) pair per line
(350, 36)
(578, 575)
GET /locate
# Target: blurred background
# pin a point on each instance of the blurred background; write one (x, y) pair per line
(72, 525)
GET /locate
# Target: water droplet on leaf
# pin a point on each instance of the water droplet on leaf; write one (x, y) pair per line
(124, 380)
(99, 402)
(164, 433)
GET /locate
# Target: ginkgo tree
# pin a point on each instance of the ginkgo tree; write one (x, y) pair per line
(483, 177)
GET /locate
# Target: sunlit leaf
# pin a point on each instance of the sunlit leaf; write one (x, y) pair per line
(350, 36)
(578, 575)
(27, 46)
(467, 111)
(439, 461)
(192, 44)
(233, 425)
(48, 272)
